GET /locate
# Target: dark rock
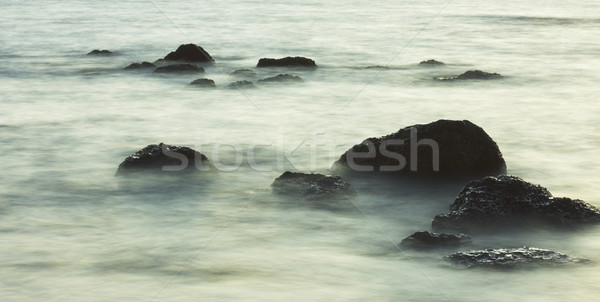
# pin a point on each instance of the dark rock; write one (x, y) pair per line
(179, 68)
(241, 84)
(165, 158)
(508, 201)
(142, 65)
(426, 239)
(97, 52)
(282, 78)
(190, 53)
(311, 186)
(203, 83)
(249, 73)
(512, 258)
(431, 62)
(464, 149)
(287, 62)
(473, 75)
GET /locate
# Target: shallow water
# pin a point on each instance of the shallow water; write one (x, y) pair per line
(71, 231)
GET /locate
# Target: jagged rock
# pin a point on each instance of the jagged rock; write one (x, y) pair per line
(203, 83)
(282, 78)
(97, 52)
(179, 68)
(464, 149)
(249, 73)
(242, 84)
(164, 158)
(508, 201)
(512, 258)
(426, 239)
(311, 186)
(431, 62)
(142, 65)
(190, 53)
(287, 62)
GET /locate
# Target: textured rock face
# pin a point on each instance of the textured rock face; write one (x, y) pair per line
(142, 65)
(242, 84)
(287, 62)
(203, 83)
(431, 62)
(509, 201)
(179, 68)
(311, 186)
(164, 158)
(443, 147)
(512, 258)
(190, 53)
(282, 78)
(97, 52)
(426, 239)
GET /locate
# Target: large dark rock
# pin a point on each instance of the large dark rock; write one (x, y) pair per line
(208, 83)
(97, 52)
(463, 148)
(165, 158)
(179, 68)
(282, 78)
(143, 65)
(426, 239)
(431, 62)
(512, 258)
(190, 53)
(287, 62)
(508, 201)
(311, 186)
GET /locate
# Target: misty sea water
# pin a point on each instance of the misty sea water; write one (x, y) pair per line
(72, 231)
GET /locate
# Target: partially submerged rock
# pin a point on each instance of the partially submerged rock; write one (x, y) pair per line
(512, 258)
(311, 186)
(282, 78)
(473, 75)
(164, 158)
(143, 65)
(179, 68)
(190, 53)
(287, 62)
(425, 239)
(203, 83)
(444, 147)
(242, 84)
(508, 201)
(97, 52)
(249, 73)
(431, 62)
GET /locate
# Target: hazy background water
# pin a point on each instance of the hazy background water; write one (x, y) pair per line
(71, 231)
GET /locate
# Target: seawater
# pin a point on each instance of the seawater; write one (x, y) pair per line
(71, 231)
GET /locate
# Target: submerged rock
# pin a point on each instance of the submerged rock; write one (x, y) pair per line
(509, 201)
(165, 158)
(287, 62)
(190, 53)
(431, 62)
(512, 258)
(249, 73)
(473, 75)
(97, 52)
(311, 186)
(425, 239)
(143, 65)
(444, 147)
(242, 84)
(282, 78)
(179, 68)
(203, 83)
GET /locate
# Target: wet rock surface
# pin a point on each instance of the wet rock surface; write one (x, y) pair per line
(311, 186)
(179, 68)
(142, 65)
(242, 84)
(282, 78)
(208, 83)
(190, 53)
(164, 158)
(97, 52)
(431, 62)
(464, 149)
(473, 75)
(425, 239)
(508, 201)
(512, 258)
(287, 62)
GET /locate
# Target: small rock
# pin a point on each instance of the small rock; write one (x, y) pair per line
(249, 73)
(287, 62)
(203, 83)
(179, 68)
(425, 239)
(164, 158)
(282, 78)
(242, 84)
(512, 258)
(190, 53)
(473, 75)
(311, 186)
(142, 65)
(97, 52)
(431, 62)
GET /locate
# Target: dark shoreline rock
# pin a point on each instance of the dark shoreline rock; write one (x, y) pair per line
(208, 83)
(473, 75)
(464, 149)
(512, 258)
(509, 202)
(425, 239)
(97, 52)
(165, 159)
(190, 53)
(179, 68)
(282, 78)
(242, 84)
(311, 186)
(431, 62)
(142, 65)
(287, 62)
